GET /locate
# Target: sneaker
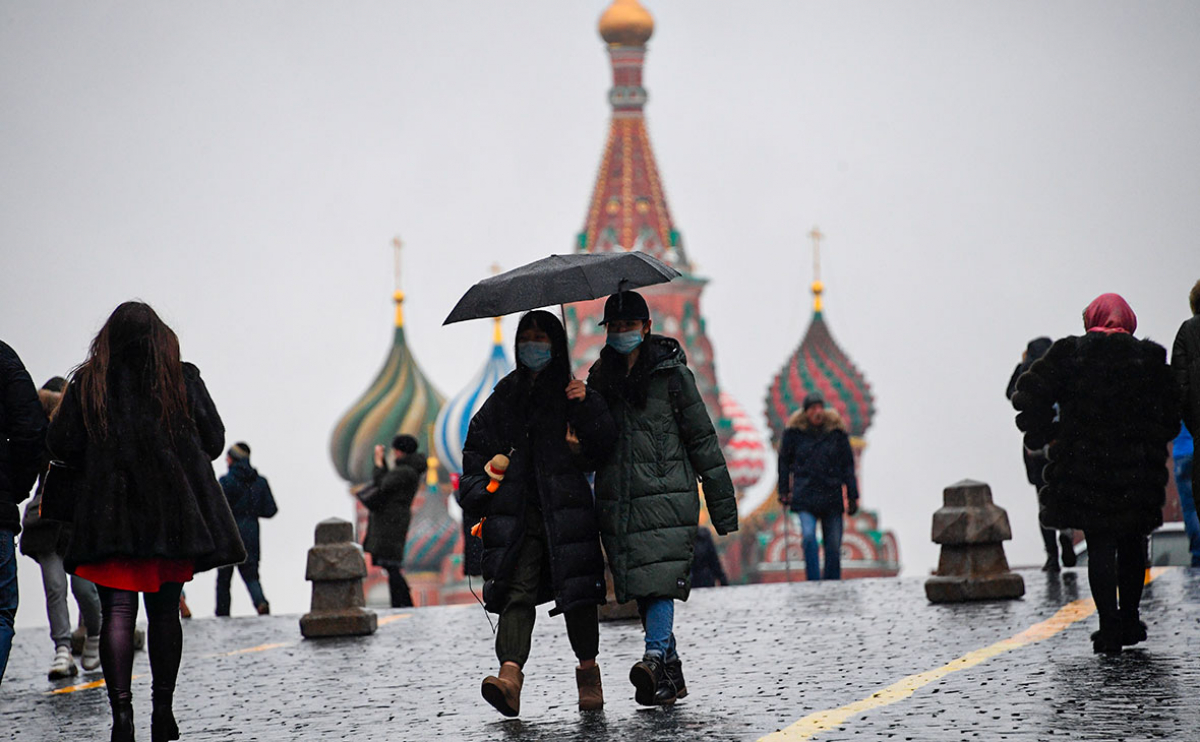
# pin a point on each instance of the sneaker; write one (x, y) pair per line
(646, 677)
(63, 665)
(91, 653)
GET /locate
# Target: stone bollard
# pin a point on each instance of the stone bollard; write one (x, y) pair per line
(336, 569)
(972, 531)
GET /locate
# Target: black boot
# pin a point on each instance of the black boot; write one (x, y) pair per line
(672, 686)
(162, 718)
(1068, 549)
(1133, 629)
(122, 713)
(646, 677)
(1107, 640)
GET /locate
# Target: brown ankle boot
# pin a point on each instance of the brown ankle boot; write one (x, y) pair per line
(591, 694)
(504, 692)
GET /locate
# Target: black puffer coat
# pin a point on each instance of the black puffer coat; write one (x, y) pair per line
(1118, 408)
(814, 463)
(22, 436)
(149, 494)
(531, 421)
(1185, 361)
(390, 510)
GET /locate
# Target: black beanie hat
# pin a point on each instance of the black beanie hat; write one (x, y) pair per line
(625, 305)
(405, 443)
(239, 451)
(813, 398)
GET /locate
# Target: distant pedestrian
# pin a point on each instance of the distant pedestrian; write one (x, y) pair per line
(1107, 406)
(816, 473)
(138, 425)
(250, 498)
(1185, 361)
(646, 491)
(1183, 453)
(45, 541)
(1035, 463)
(390, 513)
(706, 567)
(524, 464)
(22, 444)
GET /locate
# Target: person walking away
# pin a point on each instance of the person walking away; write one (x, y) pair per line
(1117, 409)
(140, 427)
(22, 444)
(815, 465)
(1185, 362)
(250, 498)
(524, 471)
(1182, 453)
(45, 541)
(646, 492)
(706, 565)
(1035, 462)
(390, 512)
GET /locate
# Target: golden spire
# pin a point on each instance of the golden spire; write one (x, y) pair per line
(626, 23)
(398, 296)
(431, 463)
(817, 287)
(497, 332)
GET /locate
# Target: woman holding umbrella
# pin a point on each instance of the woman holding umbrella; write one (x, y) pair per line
(524, 464)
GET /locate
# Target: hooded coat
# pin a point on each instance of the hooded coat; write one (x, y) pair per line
(150, 493)
(247, 493)
(815, 462)
(22, 437)
(390, 510)
(1118, 408)
(527, 421)
(646, 492)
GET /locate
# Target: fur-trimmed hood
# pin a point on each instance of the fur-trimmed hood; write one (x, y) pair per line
(832, 421)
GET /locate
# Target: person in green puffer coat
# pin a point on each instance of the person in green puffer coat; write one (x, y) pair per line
(646, 492)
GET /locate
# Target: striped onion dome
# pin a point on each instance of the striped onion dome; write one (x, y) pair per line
(400, 400)
(746, 451)
(433, 535)
(450, 431)
(820, 365)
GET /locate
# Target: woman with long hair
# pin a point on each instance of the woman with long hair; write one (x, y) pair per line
(524, 464)
(1106, 406)
(140, 427)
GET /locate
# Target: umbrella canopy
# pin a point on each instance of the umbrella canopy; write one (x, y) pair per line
(560, 279)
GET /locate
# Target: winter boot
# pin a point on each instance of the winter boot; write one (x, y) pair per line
(263, 608)
(591, 695)
(504, 692)
(1133, 630)
(1068, 549)
(1051, 564)
(122, 713)
(63, 665)
(162, 718)
(646, 677)
(1107, 640)
(91, 653)
(673, 677)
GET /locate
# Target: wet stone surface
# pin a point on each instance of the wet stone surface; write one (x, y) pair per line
(757, 659)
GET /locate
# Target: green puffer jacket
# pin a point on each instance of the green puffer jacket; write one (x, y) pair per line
(646, 492)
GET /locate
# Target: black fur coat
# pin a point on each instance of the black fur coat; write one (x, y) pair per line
(1118, 408)
(148, 494)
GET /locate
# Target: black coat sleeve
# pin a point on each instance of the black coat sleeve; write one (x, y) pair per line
(67, 436)
(593, 425)
(1181, 361)
(848, 476)
(704, 451)
(787, 450)
(1038, 390)
(479, 448)
(204, 413)
(24, 423)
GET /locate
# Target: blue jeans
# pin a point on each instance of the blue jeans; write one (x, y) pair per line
(658, 619)
(831, 537)
(8, 594)
(1183, 482)
(249, 572)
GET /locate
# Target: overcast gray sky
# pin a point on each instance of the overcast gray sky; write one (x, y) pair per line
(982, 170)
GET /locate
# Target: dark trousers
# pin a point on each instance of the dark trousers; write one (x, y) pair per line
(398, 587)
(249, 572)
(1117, 573)
(515, 631)
(164, 640)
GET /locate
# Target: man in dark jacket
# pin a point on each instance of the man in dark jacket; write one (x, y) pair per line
(22, 441)
(249, 498)
(815, 463)
(706, 568)
(1185, 362)
(391, 512)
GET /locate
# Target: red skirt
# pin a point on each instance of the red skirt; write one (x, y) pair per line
(137, 574)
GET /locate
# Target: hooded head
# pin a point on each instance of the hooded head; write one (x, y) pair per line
(1109, 313)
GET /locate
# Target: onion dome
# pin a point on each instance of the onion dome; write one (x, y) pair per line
(746, 451)
(819, 365)
(626, 23)
(400, 400)
(433, 535)
(450, 431)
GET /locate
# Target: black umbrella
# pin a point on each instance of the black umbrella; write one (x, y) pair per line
(560, 279)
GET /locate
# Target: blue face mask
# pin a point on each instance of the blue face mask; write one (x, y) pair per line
(534, 356)
(625, 342)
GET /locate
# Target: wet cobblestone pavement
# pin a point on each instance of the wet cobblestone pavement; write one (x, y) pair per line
(757, 658)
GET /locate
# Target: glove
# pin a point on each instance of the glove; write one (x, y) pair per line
(853, 508)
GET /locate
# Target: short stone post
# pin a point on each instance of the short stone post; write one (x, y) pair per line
(336, 569)
(972, 531)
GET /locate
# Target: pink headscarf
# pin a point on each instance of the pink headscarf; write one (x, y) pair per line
(1109, 313)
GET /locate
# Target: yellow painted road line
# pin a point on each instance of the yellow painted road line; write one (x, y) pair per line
(82, 686)
(822, 721)
(389, 619)
(250, 650)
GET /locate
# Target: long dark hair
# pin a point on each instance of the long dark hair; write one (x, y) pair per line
(559, 369)
(136, 342)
